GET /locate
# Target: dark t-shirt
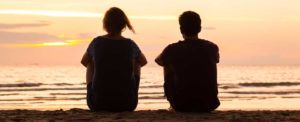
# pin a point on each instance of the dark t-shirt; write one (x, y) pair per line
(113, 84)
(190, 74)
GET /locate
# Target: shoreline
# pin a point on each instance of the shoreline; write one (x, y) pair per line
(76, 114)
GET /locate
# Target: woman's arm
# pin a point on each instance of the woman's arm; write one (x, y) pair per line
(138, 63)
(141, 60)
(137, 68)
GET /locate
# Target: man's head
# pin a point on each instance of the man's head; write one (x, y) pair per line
(190, 23)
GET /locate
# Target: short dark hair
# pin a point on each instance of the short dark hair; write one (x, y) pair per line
(115, 20)
(190, 23)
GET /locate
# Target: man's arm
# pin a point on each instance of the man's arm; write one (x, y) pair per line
(89, 64)
(89, 72)
(159, 60)
(217, 54)
(86, 59)
(162, 58)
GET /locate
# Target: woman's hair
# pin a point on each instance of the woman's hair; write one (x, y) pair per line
(115, 20)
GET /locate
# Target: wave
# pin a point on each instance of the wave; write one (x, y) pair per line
(35, 84)
(69, 99)
(141, 93)
(21, 85)
(228, 86)
(153, 102)
(152, 97)
(222, 86)
(44, 99)
(151, 93)
(62, 84)
(152, 86)
(263, 92)
(290, 97)
(9, 94)
(42, 89)
(269, 84)
(246, 97)
(67, 93)
(257, 84)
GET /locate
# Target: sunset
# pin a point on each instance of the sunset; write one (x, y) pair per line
(252, 32)
(43, 44)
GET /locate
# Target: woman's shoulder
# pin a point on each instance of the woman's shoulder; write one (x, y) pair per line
(99, 37)
(104, 38)
(107, 37)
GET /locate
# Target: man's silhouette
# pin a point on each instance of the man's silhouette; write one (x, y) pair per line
(190, 70)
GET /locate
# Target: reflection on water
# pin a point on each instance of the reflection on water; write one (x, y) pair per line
(270, 84)
(240, 87)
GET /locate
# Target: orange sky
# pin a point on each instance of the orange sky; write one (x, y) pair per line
(58, 31)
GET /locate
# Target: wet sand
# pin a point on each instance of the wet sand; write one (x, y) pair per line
(147, 116)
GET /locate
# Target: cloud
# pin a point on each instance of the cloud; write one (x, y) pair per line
(51, 44)
(86, 35)
(78, 14)
(31, 39)
(7, 37)
(49, 13)
(23, 25)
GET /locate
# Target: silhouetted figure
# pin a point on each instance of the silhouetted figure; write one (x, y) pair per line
(190, 70)
(113, 66)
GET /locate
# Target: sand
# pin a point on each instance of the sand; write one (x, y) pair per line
(76, 115)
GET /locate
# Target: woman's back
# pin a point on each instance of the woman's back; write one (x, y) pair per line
(113, 83)
(113, 66)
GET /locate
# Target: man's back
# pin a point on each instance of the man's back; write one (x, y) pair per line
(191, 74)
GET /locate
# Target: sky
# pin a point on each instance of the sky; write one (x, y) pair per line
(57, 32)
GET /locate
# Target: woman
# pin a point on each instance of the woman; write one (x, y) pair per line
(113, 66)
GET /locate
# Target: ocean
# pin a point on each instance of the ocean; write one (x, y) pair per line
(275, 87)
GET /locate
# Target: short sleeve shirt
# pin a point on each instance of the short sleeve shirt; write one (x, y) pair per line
(113, 77)
(190, 71)
(91, 48)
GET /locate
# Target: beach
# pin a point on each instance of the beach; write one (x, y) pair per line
(162, 115)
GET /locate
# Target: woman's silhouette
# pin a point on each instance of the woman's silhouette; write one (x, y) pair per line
(113, 66)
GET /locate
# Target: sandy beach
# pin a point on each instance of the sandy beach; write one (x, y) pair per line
(75, 115)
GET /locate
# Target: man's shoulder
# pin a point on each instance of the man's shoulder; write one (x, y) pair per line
(207, 42)
(175, 44)
(202, 42)
(170, 49)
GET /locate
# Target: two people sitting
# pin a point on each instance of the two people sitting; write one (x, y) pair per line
(114, 63)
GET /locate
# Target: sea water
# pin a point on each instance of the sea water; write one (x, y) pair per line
(63, 87)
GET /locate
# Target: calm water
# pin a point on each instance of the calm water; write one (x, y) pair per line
(240, 87)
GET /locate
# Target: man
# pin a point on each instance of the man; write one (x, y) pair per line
(190, 70)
